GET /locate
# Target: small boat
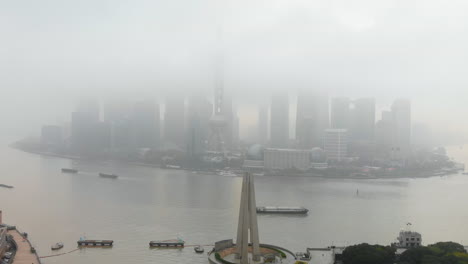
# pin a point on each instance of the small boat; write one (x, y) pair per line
(6, 186)
(66, 170)
(199, 249)
(107, 175)
(57, 246)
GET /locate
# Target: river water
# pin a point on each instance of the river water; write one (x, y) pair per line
(146, 204)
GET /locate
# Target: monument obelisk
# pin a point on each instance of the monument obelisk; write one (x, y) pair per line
(247, 223)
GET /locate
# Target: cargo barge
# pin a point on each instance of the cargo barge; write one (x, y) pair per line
(66, 170)
(167, 243)
(281, 210)
(108, 175)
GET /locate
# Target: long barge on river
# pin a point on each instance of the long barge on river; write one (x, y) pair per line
(95, 243)
(108, 175)
(281, 210)
(167, 243)
(67, 170)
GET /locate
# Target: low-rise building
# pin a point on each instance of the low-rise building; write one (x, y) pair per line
(282, 159)
(409, 239)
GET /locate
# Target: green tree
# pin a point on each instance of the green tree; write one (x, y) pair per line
(449, 247)
(415, 255)
(368, 254)
(439, 253)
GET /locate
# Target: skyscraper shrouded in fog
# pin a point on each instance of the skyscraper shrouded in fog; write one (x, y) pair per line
(231, 131)
(312, 118)
(174, 122)
(51, 135)
(401, 110)
(340, 117)
(199, 113)
(363, 120)
(146, 124)
(279, 121)
(92, 107)
(88, 135)
(262, 136)
(385, 130)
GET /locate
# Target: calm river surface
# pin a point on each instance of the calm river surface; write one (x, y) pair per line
(146, 204)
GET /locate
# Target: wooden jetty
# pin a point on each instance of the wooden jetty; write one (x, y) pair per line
(95, 243)
(167, 243)
(25, 253)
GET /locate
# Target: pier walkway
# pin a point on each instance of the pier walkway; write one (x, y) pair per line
(23, 251)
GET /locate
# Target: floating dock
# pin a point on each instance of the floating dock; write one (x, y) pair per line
(167, 243)
(95, 243)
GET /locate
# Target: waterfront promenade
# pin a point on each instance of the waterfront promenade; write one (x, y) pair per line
(23, 252)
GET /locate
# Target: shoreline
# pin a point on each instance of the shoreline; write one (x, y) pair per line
(215, 172)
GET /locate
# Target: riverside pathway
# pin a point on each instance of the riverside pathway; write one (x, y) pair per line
(23, 252)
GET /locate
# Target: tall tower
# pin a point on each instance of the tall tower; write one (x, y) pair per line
(247, 223)
(218, 122)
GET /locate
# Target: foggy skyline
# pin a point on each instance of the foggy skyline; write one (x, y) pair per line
(56, 52)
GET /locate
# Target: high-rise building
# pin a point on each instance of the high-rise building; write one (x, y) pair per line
(262, 125)
(340, 113)
(83, 134)
(91, 107)
(122, 134)
(174, 121)
(235, 131)
(116, 111)
(363, 120)
(336, 144)
(312, 118)
(385, 130)
(279, 121)
(145, 124)
(199, 113)
(230, 118)
(51, 135)
(401, 110)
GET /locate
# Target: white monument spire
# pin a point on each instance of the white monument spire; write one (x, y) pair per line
(247, 223)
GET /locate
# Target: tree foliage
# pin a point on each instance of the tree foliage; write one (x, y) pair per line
(439, 253)
(368, 254)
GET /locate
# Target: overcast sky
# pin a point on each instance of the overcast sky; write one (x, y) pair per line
(53, 52)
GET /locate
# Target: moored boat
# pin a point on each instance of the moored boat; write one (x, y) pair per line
(67, 170)
(107, 175)
(281, 210)
(57, 246)
(6, 186)
(199, 249)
